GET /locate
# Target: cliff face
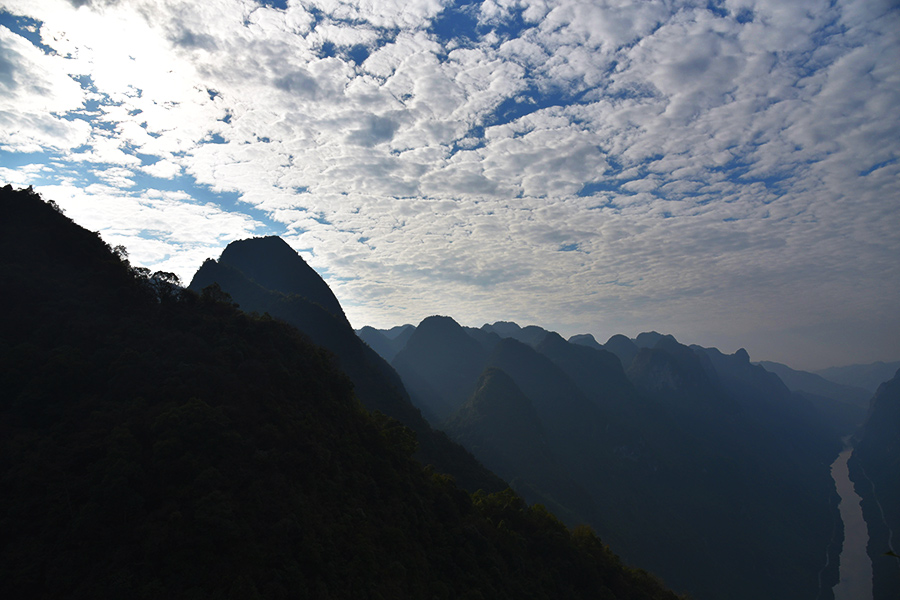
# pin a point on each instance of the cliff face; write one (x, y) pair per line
(875, 471)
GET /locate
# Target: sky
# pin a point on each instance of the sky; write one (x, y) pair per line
(724, 171)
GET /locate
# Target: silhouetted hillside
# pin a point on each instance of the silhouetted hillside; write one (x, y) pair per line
(377, 385)
(378, 342)
(675, 373)
(585, 339)
(622, 347)
(596, 372)
(804, 381)
(875, 470)
(500, 426)
(386, 343)
(567, 414)
(273, 265)
(649, 339)
(158, 443)
(439, 365)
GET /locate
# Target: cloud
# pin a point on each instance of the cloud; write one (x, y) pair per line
(376, 130)
(705, 168)
(34, 90)
(168, 231)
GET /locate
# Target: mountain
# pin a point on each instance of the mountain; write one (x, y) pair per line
(273, 265)
(156, 442)
(399, 332)
(595, 371)
(487, 339)
(844, 406)
(499, 406)
(568, 416)
(440, 364)
(868, 376)
(239, 271)
(378, 342)
(768, 449)
(500, 425)
(623, 347)
(386, 343)
(585, 339)
(811, 383)
(874, 468)
(531, 334)
(649, 339)
(674, 373)
(679, 455)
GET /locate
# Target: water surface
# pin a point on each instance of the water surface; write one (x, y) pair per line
(855, 564)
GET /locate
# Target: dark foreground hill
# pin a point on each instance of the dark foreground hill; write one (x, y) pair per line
(156, 443)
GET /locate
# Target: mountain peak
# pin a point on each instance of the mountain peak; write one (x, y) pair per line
(438, 323)
(585, 339)
(650, 339)
(504, 329)
(530, 334)
(273, 264)
(438, 364)
(271, 243)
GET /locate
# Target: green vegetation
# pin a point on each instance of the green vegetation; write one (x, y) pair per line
(158, 443)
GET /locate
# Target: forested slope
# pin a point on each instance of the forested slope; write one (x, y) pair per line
(266, 276)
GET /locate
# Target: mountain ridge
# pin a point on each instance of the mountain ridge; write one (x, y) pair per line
(377, 384)
(680, 423)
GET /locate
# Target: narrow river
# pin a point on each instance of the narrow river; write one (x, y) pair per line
(855, 565)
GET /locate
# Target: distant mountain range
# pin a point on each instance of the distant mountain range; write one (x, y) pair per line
(670, 452)
(867, 376)
(812, 383)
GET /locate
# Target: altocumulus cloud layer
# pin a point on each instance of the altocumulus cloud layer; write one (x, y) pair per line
(724, 171)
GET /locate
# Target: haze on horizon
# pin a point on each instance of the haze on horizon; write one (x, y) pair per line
(723, 171)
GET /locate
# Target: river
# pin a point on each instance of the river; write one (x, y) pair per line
(855, 565)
